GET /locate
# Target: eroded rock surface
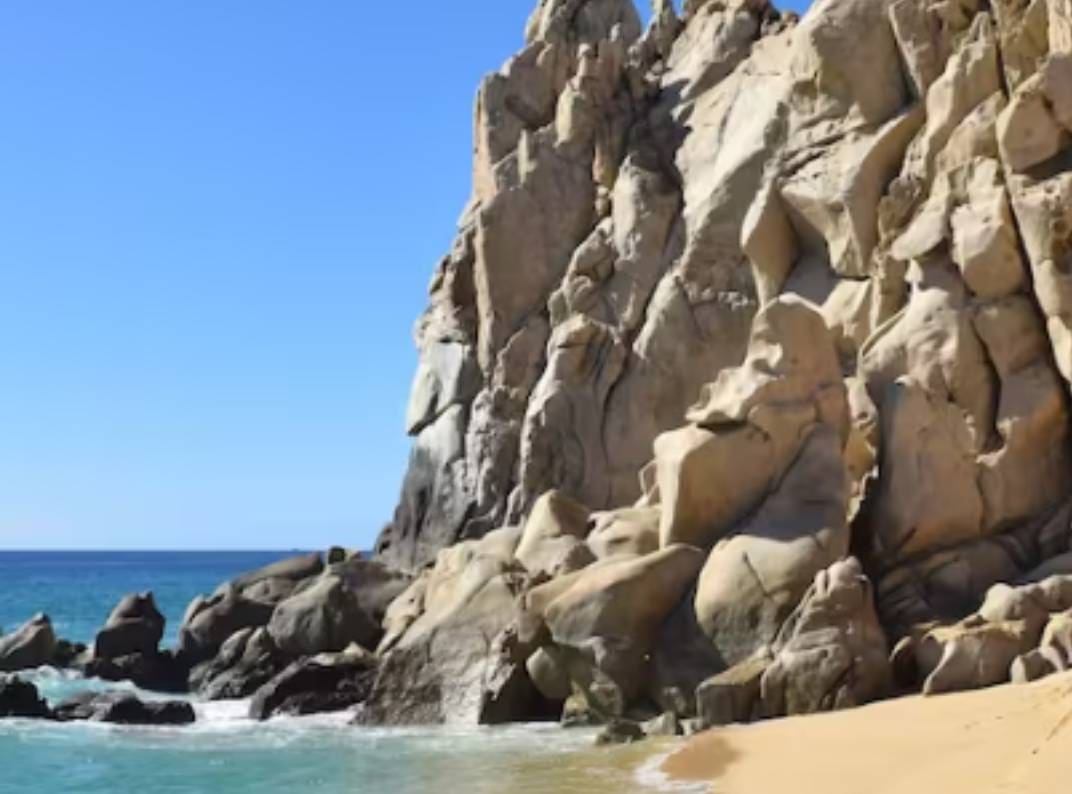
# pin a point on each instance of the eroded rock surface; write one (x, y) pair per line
(737, 297)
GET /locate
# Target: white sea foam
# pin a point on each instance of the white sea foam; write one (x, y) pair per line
(650, 775)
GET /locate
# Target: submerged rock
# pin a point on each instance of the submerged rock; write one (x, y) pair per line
(19, 698)
(326, 682)
(124, 709)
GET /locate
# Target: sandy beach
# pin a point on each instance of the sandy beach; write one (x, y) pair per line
(1013, 739)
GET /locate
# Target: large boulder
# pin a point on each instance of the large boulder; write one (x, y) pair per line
(552, 541)
(454, 656)
(31, 645)
(326, 682)
(210, 622)
(293, 569)
(750, 425)
(20, 698)
(326, 616)
(753, 579)
(832, 652)
(159, 671)
(135, 626)
(1014, 634)
(246, 661)
(601, 622)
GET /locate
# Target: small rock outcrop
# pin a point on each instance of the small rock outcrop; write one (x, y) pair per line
(123, 708)
(32, 645)
(128, 648)
(20, 699)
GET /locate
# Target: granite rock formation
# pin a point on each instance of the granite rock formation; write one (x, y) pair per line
(752, 357)
(743, 391)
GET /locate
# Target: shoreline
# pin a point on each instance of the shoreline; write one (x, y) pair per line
(1012, 738)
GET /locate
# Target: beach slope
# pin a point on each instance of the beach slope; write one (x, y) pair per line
(1010, 739)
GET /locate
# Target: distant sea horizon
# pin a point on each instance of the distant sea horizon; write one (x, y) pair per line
(77, 588)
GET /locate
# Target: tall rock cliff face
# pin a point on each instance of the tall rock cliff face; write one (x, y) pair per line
(597, 280)
(754, 351)
(636, 197)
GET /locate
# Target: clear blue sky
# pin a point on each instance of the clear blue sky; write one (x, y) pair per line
(217, 224)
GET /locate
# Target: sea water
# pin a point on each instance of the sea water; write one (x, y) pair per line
(225, 751)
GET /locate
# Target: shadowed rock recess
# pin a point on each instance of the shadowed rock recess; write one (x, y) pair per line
(743, 391)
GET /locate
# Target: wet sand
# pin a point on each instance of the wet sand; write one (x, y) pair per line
(1014, 739)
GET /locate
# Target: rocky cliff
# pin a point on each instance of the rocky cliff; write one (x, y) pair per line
(737, 297)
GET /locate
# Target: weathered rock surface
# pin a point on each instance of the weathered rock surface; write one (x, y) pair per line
(451, 652)
(31, 645)
(326, 682)
(325, 616)
(124, 709)
(20, 698)
(750, 361)
(135, 626)
(210, 622)
(248, 660)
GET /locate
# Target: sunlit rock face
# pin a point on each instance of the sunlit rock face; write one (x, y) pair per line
(749, 295)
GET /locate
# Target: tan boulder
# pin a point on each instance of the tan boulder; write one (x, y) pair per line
(552, 541)
(986, 247)
(603, 622)
(1028, 133)
(831, 653)
(629, 531)
(749, 424)
(733, 695)
(1032, 666)
(928, 494)
(754, 578)
(975, 136)
(972, 655)
(969, 77)
(460, 660)
(1057, 636)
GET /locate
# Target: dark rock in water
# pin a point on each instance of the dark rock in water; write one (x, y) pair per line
(31, 645)
(216, 619)
(20, 698)
(134, 627)
(247, 661)
(68, 653)
(247, 601)
(328, 682)
(127, 648)
(163, 671)
(124, 709)
(326, 616)
(620, 732)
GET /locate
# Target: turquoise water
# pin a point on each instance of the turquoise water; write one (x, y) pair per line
(78, 589)
(227, 753)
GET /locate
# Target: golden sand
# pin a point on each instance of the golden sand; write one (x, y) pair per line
(1014, 739)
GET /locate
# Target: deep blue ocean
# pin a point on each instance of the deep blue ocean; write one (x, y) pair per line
(225, 752)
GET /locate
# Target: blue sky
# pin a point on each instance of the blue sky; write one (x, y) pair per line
(217, 225)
